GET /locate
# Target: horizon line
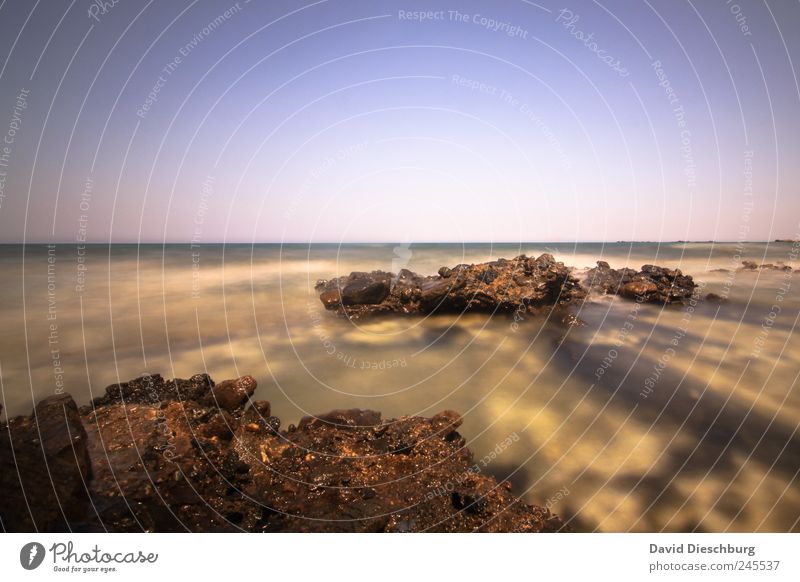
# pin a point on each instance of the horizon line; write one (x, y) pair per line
(295, 243)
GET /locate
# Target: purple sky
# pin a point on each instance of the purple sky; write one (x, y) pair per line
(370, 121)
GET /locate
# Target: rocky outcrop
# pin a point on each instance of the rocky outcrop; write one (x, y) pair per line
(753, 266)
(192, 455)
(650, 285)
(44, 466)
(520, 284)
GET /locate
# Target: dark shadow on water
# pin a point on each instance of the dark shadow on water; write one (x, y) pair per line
(719, 435)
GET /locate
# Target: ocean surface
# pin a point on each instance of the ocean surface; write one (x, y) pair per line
(647, 418)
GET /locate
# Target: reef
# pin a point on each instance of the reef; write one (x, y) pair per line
(651, 284)
(753, 266)
(192, 455)
(522, 284)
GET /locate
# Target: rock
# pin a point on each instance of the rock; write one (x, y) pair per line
(152, 388)
(163, 464)
(753, 266)
(232, 394)
(652, 284)
(714, 298)
(262, 408)
(330, 298)
(636, 289)
(44, 464)
(522, 284)
(349, 418)
(221, 425)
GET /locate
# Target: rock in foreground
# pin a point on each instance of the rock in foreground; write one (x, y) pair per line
(192, 455)
(520, 284)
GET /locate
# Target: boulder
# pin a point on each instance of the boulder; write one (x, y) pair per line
(44, 468)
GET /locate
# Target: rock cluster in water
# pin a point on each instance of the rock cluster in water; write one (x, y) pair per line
(753, 266)
(498, 286)
(651, 284)
(192, 455)
(520, 284)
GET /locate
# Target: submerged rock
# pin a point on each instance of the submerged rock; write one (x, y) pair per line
(651, 285)
(753, 266)
(520, 284)
(165, 455)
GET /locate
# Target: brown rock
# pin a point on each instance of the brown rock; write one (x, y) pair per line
(639, 288)
(161, 464)
(232, 394)
(44, 465)
(262, 407)
(522, 284)
(365, 290)
(221, 425)
(652, 284)
(330, 298)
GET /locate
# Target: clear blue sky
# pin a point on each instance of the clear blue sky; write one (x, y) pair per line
(364, 121)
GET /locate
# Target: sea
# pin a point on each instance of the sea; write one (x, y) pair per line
(641, 418)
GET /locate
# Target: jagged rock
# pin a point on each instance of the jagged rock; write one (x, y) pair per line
(521, 284)
(232, 394)
(652, 284)
(221, 425)
(161, 455)
(753, 266)
(44, 465)
(262, 408)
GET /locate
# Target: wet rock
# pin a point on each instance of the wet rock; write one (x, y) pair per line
(163, 465)
(44, 465)
(753, 266)
(221, 425)
(232, 394)
(365, 289)
(714, 298)
(652, 284)
(330, 298)
(348, 418)
(521, 284)
(635, 289)
(446, 422)
(153, 389)
(261, 408)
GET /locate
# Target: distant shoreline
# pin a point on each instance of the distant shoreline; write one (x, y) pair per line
(386, 243)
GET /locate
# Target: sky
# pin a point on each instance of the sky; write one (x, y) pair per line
(375, 121)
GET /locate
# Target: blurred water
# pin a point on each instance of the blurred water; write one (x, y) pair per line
(705, 440)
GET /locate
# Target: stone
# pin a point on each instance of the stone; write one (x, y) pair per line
(221, 425)
(147, 464)
(232, 394)
(651, 284)
(505, 286)
(636, 289)
(44, 465)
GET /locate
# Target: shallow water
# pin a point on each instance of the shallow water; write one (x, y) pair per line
(692, 424)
